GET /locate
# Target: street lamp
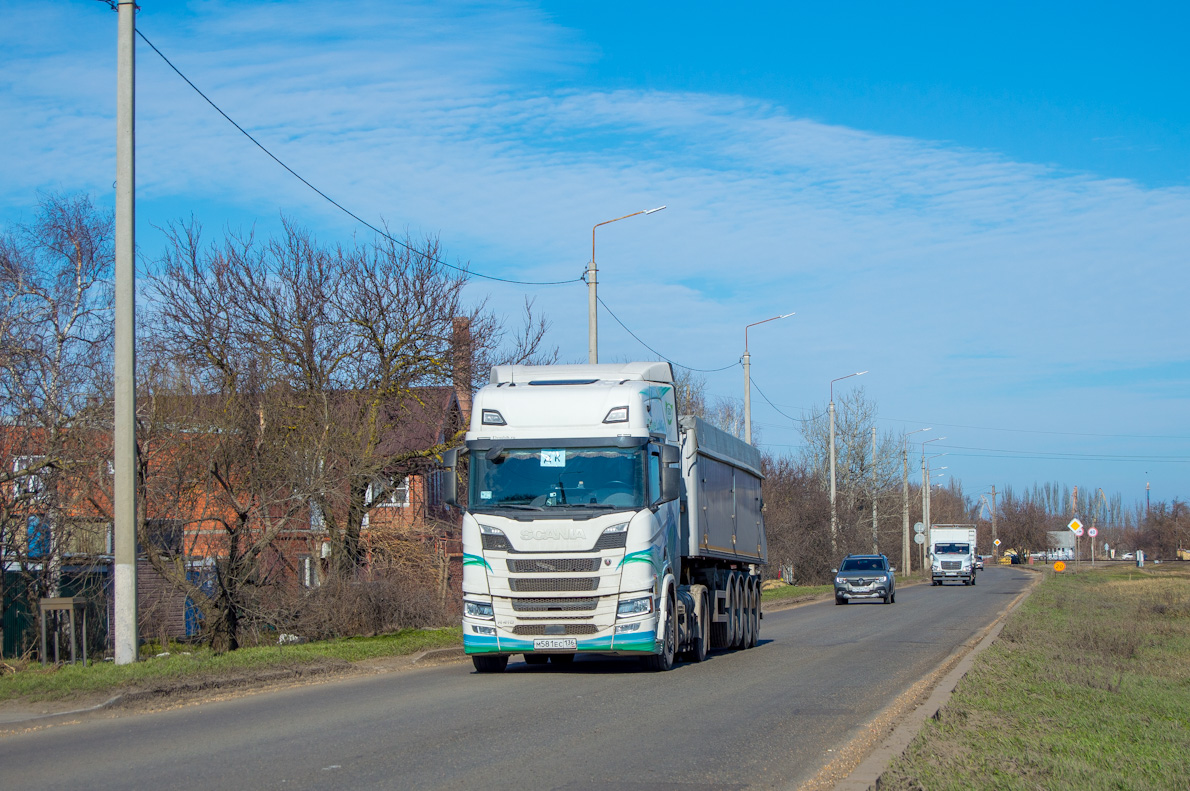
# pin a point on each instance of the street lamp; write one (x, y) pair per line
(925, 502)
(905, 504)
(834, 515)
(748, 378)
(592, 293)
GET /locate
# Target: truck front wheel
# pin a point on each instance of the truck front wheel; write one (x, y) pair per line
(489, 663)
(665, 660)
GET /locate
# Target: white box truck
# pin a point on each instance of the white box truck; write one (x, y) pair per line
(952, 553)
(597, 521)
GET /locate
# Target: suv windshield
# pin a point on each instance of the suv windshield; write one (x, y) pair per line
(863, 564)
(952, 549)
(540, 478)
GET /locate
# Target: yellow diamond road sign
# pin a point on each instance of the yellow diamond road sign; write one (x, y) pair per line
(1075, 525)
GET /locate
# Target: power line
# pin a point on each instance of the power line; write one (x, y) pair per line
(328, 198)
(654, 351)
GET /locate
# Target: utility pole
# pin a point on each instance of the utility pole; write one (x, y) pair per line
(905, 509)
(834, 513)
(593, 290)
(124, 491)
(875, 540)
(995, 548)
(925, 505)
(834, 517)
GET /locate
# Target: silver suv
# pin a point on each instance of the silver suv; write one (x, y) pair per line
(865, 577)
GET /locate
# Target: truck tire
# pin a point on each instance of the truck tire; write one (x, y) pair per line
(665, 660)
(489, 663)
(755, 614)
(737, 611)
(746, 613)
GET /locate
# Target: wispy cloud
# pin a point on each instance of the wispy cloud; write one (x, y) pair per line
(952, 266)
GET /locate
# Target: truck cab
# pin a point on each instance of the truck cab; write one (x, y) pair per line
(574, 512)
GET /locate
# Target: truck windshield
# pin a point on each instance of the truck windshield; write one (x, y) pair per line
(541, 478)
(952, 549)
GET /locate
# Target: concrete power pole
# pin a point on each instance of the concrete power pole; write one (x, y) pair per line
(124, 527)
(995, 549)
(875, 539)
(905, 510)
(925, 508)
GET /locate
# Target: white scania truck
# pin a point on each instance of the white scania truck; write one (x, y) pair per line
(597, 521)
(952, 554)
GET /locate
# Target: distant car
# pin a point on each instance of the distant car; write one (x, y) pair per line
(865, 577)
(1129, 556)
(979, 562)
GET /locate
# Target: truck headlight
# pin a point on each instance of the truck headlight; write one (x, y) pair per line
(475, 609)
(623, 528)
(642, 606)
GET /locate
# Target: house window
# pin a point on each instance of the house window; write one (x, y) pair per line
(29, 484)
(307, 571)
(434, 488)
(397, 494)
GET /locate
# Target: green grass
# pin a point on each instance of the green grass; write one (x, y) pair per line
(790, 592)
(62, 683)
(1088, 687)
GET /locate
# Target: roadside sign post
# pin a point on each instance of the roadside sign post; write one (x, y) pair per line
(1076, 527)
(1092, 533)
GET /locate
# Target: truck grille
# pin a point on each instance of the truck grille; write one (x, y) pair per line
(540, 585)
(554, 628)
(553, 565)
(952, 565)
(551, 605)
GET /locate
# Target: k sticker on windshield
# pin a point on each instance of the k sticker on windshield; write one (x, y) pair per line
(553, 458)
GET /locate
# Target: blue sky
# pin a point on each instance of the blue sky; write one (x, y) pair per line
(987, 208)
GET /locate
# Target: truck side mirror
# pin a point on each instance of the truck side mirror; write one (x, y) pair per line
(671, 484)
(450, 478)
(670, 454)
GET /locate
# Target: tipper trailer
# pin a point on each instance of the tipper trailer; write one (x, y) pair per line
(597, 521)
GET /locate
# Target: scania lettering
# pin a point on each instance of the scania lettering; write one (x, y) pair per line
(597, 521)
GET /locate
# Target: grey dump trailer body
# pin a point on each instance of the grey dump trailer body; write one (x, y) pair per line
(723, 519)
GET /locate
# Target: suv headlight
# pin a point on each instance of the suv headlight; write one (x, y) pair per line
(476, 609)
(642, 606)
(840, 580)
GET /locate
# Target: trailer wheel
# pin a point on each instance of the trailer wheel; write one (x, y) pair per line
(489, 663)
(746, 613)
(754, 614)
(737, 611)
(665, 660)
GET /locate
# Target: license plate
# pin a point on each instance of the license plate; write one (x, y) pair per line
(555, 644)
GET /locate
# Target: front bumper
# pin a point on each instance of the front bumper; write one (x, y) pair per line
(877, 591)
(953, 576)
(643, 641)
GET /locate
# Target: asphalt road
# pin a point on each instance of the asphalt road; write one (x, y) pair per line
(762, 718)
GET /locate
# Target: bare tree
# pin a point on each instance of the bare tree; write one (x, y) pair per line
(861, 479)
(55, 346)
(313, 353)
